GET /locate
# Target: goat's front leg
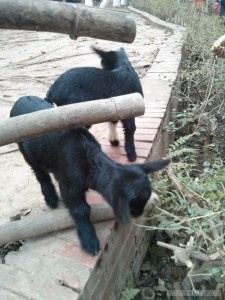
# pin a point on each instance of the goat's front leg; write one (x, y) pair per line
(80, 212)
(129, 130)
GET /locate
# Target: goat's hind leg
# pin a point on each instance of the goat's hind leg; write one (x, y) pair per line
(80, 212)
(47, 187)
(129, 130)
(112, 133)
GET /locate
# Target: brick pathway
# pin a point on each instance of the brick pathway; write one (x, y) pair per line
(54, 266)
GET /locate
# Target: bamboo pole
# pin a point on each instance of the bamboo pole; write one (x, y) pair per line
(75, 20)
(70, 116)
(55, 220)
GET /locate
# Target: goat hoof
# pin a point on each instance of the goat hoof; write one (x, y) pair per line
(115, 143)
(52, 202)
(132, 157)
(92, 247)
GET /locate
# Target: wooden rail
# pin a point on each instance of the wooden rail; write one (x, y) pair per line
(70, 116)
(75, 20)
(55, 220)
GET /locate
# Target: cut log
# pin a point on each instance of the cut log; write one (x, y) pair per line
(52, 221)
(70, 116)
(75, 20)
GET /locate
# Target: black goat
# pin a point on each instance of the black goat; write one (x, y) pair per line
(88, 83)
(78, 163)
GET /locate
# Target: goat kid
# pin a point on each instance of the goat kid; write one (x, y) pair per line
(117, 77)
(76, 160)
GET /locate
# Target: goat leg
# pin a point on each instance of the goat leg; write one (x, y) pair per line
(47, 187)
(80, 212)
(129, 130)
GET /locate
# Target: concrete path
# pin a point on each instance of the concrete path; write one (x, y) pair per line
(54, 266)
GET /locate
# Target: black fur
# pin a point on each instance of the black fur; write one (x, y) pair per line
(78, 163)
(88, 83)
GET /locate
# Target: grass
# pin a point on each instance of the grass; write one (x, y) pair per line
(193, 188)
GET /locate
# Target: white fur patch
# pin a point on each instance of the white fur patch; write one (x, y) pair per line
(112, 132)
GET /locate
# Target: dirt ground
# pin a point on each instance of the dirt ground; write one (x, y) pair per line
(30, 62)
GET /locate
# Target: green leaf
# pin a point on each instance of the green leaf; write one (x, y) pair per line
(129, 293)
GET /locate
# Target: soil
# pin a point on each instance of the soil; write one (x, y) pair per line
(169, 280)
(158, 271)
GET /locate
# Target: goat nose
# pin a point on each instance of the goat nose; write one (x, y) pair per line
(136, 213)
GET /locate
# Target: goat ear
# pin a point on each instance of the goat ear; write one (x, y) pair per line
(121, 210)
(101, 53)
(122, 50)
(154, 166)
